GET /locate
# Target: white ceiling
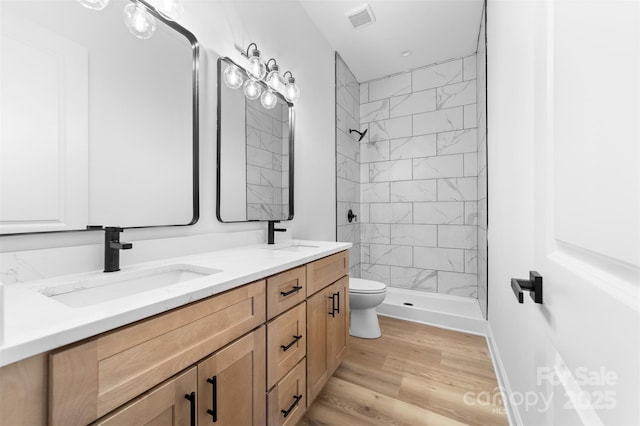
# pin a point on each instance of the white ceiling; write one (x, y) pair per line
(434, 30)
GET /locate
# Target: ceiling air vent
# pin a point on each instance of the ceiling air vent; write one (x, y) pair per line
(361, 16)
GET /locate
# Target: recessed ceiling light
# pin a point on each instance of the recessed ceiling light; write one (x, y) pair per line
(405, 53)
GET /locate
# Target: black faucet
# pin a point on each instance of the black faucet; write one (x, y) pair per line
(271, 230)
(112, 247)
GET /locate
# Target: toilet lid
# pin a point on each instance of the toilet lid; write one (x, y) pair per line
(358, 285)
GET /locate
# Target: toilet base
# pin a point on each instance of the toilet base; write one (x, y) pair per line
(364, 324)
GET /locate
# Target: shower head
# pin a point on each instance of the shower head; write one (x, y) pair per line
(359, 132)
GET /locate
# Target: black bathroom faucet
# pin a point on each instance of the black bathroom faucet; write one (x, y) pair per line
(112, 247)
(271, 230)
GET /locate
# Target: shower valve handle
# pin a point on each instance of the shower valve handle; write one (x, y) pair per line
(351, 216)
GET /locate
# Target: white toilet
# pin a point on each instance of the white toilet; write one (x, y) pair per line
(364, 296)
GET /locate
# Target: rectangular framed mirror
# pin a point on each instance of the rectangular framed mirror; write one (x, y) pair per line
(255, 155)
(99, 127)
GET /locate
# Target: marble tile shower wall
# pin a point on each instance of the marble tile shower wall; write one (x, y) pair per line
(419, 179)
(267, 161)
(482, 171)
(347, 161)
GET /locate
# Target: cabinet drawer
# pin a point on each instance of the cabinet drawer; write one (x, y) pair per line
(287, 401)
(285, 290)
(91, 379)
(327, 270)
(163, 405)
(286, 343)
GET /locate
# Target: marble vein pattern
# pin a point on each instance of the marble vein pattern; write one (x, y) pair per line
(437, 75)
(412, 147)
(385, 171)
(457, 94)
(419, 180)
(414, 278)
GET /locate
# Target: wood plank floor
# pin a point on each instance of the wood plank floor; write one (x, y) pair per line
(414, 374)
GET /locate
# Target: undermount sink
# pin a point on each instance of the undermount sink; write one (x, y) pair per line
(293, 247)
(87, 292)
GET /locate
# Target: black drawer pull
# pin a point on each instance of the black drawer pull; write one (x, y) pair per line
(337, 297)
(295, 289)
(191, 397)
(293, 342)
(333, 305)
(297, 399)
(213, 412)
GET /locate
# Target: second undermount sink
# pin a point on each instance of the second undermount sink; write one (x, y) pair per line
(87, 292)
(293, 247)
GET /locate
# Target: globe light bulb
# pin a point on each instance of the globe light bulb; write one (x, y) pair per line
(256, 68)
(252, 89)
(268, 99)
(274, 79)
(232, 77)
(94, 4)
(138, 21)
(291, 90)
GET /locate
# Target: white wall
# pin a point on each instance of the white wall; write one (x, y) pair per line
(281, 30)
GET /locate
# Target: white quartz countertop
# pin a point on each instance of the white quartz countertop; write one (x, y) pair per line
(35, 323)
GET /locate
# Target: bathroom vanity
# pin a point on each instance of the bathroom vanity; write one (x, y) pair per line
(257, 350)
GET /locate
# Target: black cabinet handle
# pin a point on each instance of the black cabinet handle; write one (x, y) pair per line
(286, 412)
(214, 399)
(533, 285)
(191, 397)
(295, 289)
(337, 295)
(293, 342)
(333, 305)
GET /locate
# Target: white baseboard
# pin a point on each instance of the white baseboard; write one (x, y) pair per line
(503, 382)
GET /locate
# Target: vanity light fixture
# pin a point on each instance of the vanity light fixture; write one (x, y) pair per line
(258, 74)
(291, 90)
(256, 67)
(232, 77)
(252, 89)
(268, 99)
(94, 4)
(273, 77)
(138, 21)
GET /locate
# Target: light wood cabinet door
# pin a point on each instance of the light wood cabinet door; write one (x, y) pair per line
(165, 405)
(327, 334)
(318, 309)
(338, 324)
(23, 392)
(231, 383)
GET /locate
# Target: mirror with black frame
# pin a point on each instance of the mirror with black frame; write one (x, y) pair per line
(100, 123)
(255, 155)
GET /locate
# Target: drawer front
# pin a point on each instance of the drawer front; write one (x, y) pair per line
(93, 378)
(327, 270)
(285, 290)
(287, 401)
(286, 343)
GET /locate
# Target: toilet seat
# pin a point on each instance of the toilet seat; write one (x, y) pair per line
(362, 286)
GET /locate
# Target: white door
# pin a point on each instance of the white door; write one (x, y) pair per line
(564, 199)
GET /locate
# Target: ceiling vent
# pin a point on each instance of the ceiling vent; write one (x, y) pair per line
(361, 16)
